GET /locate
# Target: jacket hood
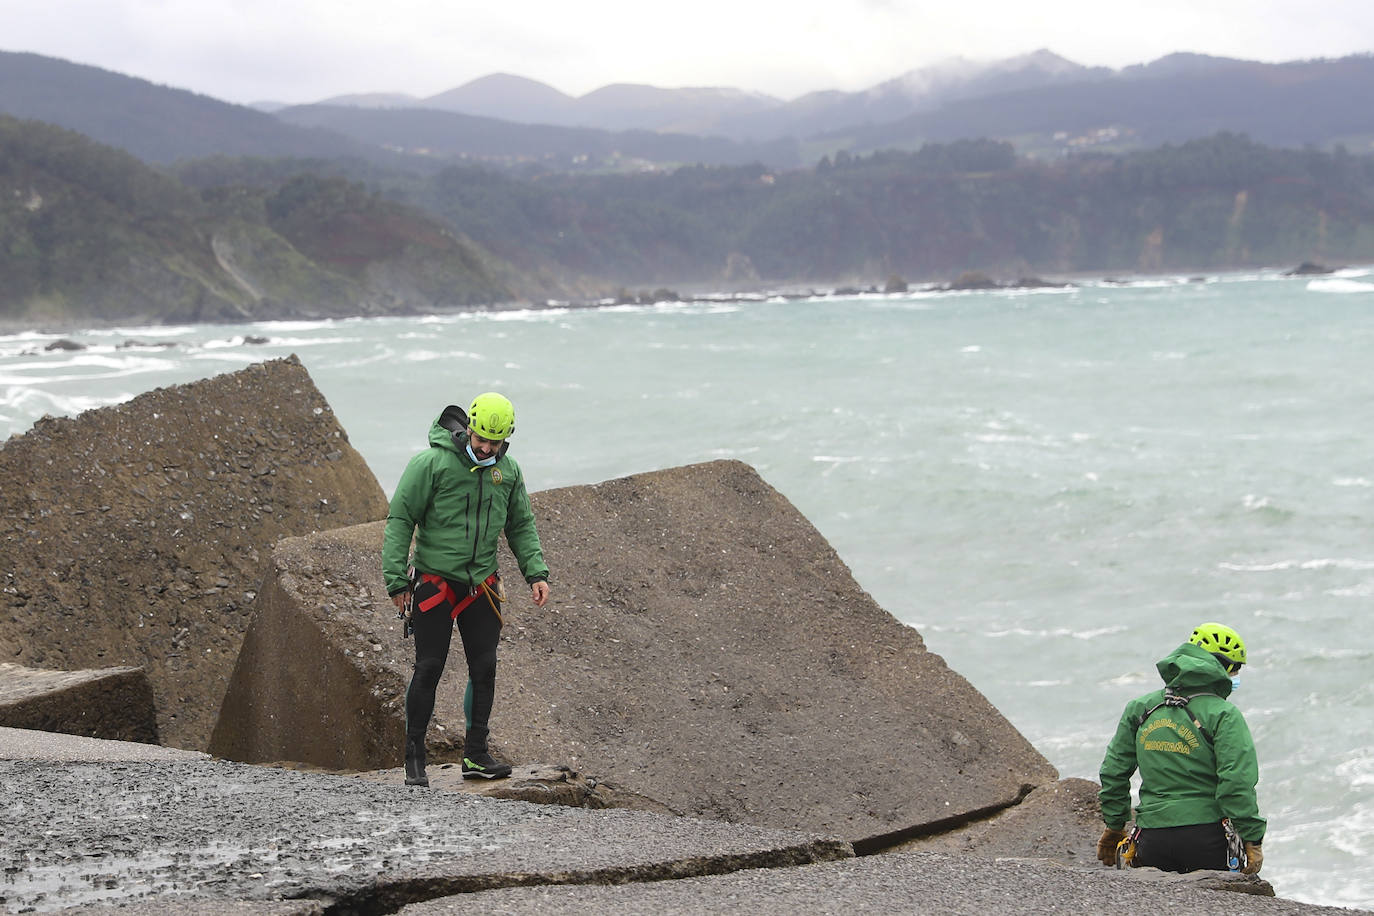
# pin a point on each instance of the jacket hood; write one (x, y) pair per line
(1190, 669)
(443, 432)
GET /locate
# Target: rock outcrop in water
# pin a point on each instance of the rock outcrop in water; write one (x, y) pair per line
(134, 535)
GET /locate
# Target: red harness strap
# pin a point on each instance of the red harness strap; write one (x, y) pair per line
(446, 593)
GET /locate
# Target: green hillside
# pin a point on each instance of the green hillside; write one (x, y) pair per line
(89, 233)
(1219, 203)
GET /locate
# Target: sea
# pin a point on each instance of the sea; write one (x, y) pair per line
(1053, 486)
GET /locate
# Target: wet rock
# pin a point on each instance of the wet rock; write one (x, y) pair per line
(65, 344)
(141, 834)
(1309, 269)
(115, 703)
(130, 535)
(704, 647)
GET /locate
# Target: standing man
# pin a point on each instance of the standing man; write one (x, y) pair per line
(454, 499)
(1197, 765)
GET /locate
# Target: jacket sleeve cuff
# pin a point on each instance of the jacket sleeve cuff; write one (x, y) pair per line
(542, 577)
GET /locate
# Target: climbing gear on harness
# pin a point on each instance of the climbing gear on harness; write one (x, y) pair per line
(1222, 642)
(1178, 701)
(491, 416)
(1126, 849)
(1235, 848)
(404, 614)
(490, 586)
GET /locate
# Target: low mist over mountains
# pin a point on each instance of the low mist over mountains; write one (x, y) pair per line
(734, 113)
(1043, 102)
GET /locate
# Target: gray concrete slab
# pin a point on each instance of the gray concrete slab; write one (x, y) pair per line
(142, 833)
(27, 744)
(893, 885)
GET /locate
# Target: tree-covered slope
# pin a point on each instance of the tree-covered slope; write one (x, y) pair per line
(91, 233)
(1222, 202)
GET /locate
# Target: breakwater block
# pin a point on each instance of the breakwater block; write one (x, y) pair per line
(134, 535)
(113, 703)
(704, 647)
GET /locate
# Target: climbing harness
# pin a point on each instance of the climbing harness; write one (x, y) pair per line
(490, 586)
(1178, 701)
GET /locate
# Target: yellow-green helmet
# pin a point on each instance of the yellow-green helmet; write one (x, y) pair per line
(491, 416)
(1221, 641)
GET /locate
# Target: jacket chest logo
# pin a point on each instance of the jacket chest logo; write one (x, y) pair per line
(496, 476)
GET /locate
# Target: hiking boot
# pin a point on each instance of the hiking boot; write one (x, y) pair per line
(481, 765)
(415, 762)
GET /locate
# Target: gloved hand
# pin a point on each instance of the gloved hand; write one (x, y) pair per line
(1106, 846)
(1254, 858)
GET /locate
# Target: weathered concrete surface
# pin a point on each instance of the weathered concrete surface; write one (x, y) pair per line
(115, 703)
(1061, 821)
(704, 647)
(918, 884)
(149, 830)
(28, 744)
(542, 783)
(133, 535)
(131, 832)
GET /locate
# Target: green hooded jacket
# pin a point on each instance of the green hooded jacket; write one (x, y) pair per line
(456, 510)
(1185, 777)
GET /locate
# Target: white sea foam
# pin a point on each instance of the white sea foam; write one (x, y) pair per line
(1340, 285)
(1324, 563)
(295, 342)
(314, 325)
(31, 403)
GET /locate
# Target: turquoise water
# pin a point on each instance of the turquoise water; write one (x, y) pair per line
(1052, 486)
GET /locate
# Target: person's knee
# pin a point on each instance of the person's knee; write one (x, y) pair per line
(428, 671)
(482, 668)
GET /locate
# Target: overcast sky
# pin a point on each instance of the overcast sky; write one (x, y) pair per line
(306, 50)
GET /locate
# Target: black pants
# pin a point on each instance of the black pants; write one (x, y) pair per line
(479, 625)
(1190, 848)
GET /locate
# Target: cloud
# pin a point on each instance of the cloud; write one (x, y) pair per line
(305, 50)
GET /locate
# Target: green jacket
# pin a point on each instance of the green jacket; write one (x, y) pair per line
(456, 510)
(1185, 777)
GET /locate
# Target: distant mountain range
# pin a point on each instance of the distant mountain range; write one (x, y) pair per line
(1045, 105)
(733, 113)
(1041, 101)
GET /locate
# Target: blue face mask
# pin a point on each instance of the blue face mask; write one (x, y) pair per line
(480, 462)
(1235, 684)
